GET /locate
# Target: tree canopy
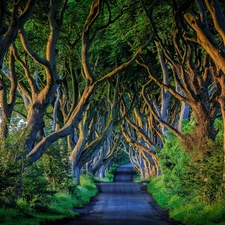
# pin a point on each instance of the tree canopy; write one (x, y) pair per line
(100, 79)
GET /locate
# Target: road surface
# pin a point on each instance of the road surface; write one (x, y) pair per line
(121, 202)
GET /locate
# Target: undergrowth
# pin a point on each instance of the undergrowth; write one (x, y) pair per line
(190, 186)
(60, 205)
(42, 192)
(188, 212)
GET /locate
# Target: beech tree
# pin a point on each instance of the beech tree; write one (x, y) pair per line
(60, 90)
(211, 36)
(13, 17)
(176, 76)
(192, 73)
(137, 130)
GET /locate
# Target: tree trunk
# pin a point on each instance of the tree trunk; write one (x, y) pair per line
(77, 172)
(105, 167)
(8, 97)
(102, 172)
(146, 169)
(98, 163)
(207, 40)
(184, 114)
(165, 94)
(142, 172)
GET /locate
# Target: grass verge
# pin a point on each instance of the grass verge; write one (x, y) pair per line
(185, 211)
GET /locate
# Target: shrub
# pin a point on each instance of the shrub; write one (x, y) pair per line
(36, 190)
(11, 168)
(63, 204)
(185, 175)
(191, 184)
(7, 214)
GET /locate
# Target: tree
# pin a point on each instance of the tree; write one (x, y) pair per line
(91, 85)
(42, 96)
(95, 129)
(211, 36)
(191, 82)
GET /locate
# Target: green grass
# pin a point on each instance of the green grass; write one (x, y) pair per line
(10, 216)
(62, 204)
(139, 179)
(16, 217)
(60, 207)
(188, 212)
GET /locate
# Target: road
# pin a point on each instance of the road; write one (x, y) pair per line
(122, 202)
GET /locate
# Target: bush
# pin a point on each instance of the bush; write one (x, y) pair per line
(7, 214)
(87, 189)
(57, 167)
(11, 169)
(191, 184)
(63, 204)
(185, 211)
(36, 190)
(189, 176)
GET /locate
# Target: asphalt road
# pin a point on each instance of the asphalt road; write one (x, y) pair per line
(122, 202)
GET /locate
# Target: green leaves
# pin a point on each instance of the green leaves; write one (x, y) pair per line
(190, 184)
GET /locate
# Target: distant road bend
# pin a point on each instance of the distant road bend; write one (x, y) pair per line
(122, 202)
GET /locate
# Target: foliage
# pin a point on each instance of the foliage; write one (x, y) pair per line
(219, 127)
(122, 158)
(44, 191)
(188, 125)
(63, 204)
(60, 205)
(191, 184)
(7, 214)
(47, 176)
(57, 167)
(87, 183)
(110, 173)
(11, 168)
(36, 187)
(186, 176)
(47, 186)
(138, 178)
(188, 212)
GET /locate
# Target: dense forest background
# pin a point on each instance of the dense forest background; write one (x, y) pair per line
(88, 84)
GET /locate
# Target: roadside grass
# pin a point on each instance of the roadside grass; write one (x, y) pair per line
(109, 177)
(185, 211)
(61, 206)
(139, 179)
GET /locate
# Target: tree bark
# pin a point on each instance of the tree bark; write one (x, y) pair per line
(77, 172)
(7, 101)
